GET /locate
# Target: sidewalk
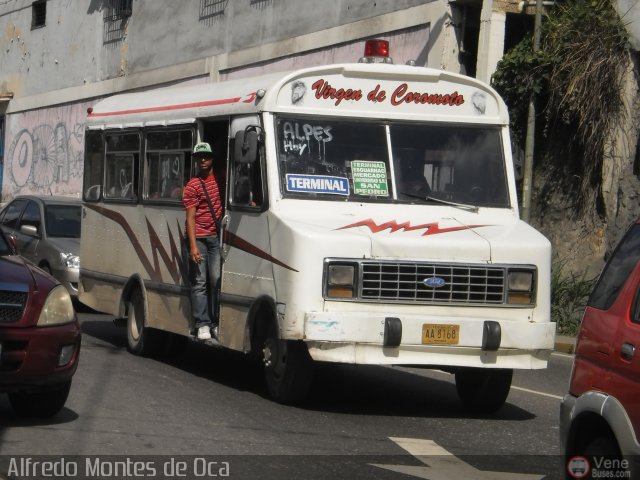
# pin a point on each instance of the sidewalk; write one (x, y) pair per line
(565, 344)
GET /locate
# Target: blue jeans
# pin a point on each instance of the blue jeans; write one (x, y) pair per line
(205, 278)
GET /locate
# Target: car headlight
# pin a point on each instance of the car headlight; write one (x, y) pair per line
(341, 280)
(57, 309)
(70, 260)
(521, 287)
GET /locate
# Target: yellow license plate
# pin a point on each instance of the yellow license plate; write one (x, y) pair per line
(440, 334)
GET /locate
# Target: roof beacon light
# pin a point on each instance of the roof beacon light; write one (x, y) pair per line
(376, 51)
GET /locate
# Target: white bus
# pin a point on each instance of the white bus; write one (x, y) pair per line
(370, 218)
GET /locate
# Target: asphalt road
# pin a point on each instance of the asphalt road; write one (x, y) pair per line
(209, 411)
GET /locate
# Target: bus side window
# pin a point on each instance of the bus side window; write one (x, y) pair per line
(123, 153)
(166, 168)
(93, 166)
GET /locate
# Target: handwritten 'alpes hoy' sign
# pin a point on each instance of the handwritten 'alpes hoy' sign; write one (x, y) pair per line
(324, 90)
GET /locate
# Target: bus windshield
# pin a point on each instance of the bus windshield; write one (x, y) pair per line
(355, 160)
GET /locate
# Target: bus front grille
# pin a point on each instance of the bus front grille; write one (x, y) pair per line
(432, 283)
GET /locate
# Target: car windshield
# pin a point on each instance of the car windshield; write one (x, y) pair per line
(391, 162)
(63, 220)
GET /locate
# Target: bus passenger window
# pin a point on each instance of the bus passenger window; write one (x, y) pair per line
(93, 165)
(167, 164)
(119, 176)
(123, 152)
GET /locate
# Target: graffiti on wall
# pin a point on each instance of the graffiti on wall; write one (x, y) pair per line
(44, 152)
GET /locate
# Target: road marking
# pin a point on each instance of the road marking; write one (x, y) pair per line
(440, 464)
(513, 387)
(550, 395)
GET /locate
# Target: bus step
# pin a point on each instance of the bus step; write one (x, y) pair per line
(211, 342)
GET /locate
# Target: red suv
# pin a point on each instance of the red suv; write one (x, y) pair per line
(39, 336)
(600, 416)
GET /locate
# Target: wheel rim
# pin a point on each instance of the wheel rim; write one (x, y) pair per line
(135, 326)
(274, 357)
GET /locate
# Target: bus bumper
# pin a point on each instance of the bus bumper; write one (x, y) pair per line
(359, 338)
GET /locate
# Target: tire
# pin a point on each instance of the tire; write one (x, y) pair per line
(603, 446)
(43, 404)
(288, 368)
(141, 340)
(483, 390)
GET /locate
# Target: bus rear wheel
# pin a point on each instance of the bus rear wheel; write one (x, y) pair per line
(288, 369)
(141, 340)
(483, 390)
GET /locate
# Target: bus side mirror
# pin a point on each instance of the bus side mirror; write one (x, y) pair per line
(246, 146)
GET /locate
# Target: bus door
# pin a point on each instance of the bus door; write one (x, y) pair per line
(247, 271)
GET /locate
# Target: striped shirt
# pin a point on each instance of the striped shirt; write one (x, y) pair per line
(193, 196)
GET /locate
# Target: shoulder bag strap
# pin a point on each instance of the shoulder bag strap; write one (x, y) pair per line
(213, 212)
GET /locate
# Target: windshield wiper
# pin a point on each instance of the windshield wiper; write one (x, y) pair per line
(463, 206)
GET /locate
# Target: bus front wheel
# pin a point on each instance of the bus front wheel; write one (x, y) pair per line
(288, 369)
(483, 390)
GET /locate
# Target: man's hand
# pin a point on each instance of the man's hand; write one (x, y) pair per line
(195, 255)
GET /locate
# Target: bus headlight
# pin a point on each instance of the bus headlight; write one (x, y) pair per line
(57, 309)
(340, 280)
(521, 287)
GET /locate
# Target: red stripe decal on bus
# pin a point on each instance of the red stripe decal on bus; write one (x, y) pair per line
(224, 101)
(172, 260)
(241, 244)
(393, 226)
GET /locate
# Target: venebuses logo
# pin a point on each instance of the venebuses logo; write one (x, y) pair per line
(598, 466)
(578, 467)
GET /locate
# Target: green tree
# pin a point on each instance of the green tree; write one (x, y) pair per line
(577, 79)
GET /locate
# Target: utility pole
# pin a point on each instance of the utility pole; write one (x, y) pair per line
(527, 182)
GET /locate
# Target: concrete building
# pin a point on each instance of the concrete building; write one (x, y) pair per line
(58, 57)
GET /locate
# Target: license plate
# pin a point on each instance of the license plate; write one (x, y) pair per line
(440, 334)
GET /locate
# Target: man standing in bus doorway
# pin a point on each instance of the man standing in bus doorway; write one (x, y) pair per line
(201, 199)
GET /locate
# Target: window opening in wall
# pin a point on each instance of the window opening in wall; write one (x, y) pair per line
(259, 3)
(469, 26)
(212, 8)
(117, 9)
(38, 14)
(116, 13)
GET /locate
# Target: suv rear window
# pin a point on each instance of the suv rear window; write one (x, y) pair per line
(617, 270)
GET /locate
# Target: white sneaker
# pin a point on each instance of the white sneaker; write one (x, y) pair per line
(214, 332)
(204, 333)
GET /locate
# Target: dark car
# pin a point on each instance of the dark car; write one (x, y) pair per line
(39, 336)
(600, 416)
(47, 232)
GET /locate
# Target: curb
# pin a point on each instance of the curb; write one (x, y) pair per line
(565, 344)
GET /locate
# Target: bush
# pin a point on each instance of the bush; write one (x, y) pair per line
(569, 295)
